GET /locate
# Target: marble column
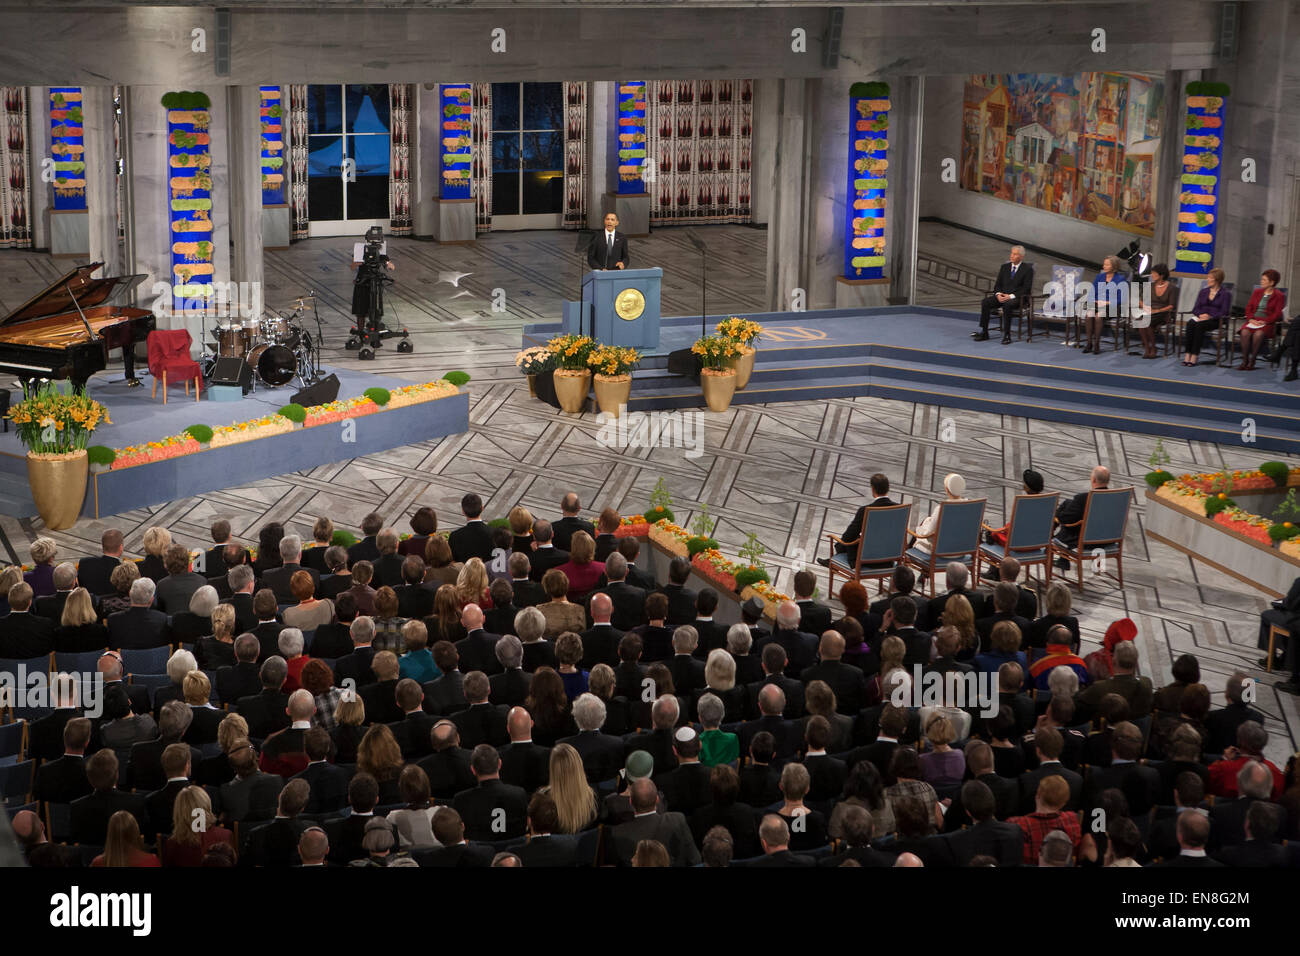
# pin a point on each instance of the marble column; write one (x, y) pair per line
(602, 147)
(101, 178)
(788, 208)
(244, 127)
(906, 118)
(424, 202)
(146, 206)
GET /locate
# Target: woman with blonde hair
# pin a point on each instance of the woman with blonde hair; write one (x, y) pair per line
(958, 613)
(10, 576)
(206, 725)
(380, 756)
(214, 771)
(123, 846)
(445, 621)
(440, 566)
(41, 576)
(521, 529)
(941, 766)
(472, 585)
(575, 801)
(349, 716)
(720, 680)
(155, 543)
(79, 628)
(892, 652)
(218, 648)
(188, 843)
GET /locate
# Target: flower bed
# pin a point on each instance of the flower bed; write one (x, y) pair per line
(263, 427)
(713, 565)
(1195, 493)
(169, 447)
(634, 526)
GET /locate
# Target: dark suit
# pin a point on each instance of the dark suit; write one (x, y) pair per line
(446, 695)
(61, 781)
(245, 619)
(1221, 725)
(984, 627)
(854, 530)
(329, 787)
(784, 858)
(1254, 853)
(686, 789)
(268, 639)
(448, 772)
(800, 649)
(543, 559)
(264, 712)
(1029, 786)
(526, 765)
(388, 571)
(606, 544)
(1070, 511)
(670, 829)
(1006, 801)
(688, 674)
(1190, 862)
(332, 641)
(681, 604)
(509, 688)
(600, 646)
(212, 654)
(414, 600)
(826, 778)
(137, 694)
(656, 643)
(500, 620)
(90, 814)
(566, 527)
(238, 681)
(51, 606)
(160, 802)
(793, 695)
(462, 856)
(477, 652)
(277, 579)
(472, 540)
(380, 699)
(814, 618)
(481, 724)
(549, 850)
(1138, 782)
(1019, 283)
(45, 736)
(713, 636)
(1000, 840)
(364, 550)
(252, 798)
(24, 634)
(274, 843)
(602, 754)
(412, 734)
(479, 807)
(629, 604)
(760, 784)
(174, 591)
(782, 731)
(847, 681)
(602, 254)
(640, 579)
(95, 573)
(935, 606)
(658, 744)
(355, 667)
(527, 593)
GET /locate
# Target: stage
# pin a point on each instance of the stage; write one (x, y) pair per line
(921, 354)
(138, 419)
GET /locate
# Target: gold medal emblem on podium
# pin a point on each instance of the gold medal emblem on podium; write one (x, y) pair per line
(629, 304)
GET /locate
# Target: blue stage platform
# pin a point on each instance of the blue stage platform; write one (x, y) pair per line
(137, 419)
(920, 354)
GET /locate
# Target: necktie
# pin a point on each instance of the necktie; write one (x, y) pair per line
(609, 247)
(1013, 270)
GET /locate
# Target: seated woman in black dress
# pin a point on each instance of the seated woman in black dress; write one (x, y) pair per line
(1160, 309)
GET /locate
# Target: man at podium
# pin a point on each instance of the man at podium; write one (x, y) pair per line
(608, 249)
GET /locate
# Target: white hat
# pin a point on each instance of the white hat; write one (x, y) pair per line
(955, 485)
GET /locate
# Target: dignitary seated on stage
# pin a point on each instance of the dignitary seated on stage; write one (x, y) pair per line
(1262, 315)
(1211, 308)
(1015, 282)
(1110, 301)
(1158, 311)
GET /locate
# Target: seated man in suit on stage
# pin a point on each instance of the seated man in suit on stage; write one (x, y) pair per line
(1014, 282)
(1070, 511)
(880, 489)
(608, 249)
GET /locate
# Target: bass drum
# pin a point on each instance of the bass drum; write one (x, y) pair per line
(275, 365)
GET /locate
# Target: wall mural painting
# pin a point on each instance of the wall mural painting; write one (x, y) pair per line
(1082, 146)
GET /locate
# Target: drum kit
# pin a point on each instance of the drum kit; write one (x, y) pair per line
(278, 348)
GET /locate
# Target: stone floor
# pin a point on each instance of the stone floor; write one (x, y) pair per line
(787, 473)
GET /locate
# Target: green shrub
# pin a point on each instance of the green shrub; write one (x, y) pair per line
(457, 377)
(379, 396)
(658, 514)
(499, 523)
(1157, 478)
(748, 576)
(699, 543)
(101, 455)
(1282, 533)
(1214, 505)
(343, 539)
(1276, 470)
(294, 412)
(200, 433)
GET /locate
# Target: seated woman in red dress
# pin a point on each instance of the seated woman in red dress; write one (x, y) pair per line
(582, 569)
(1262, 315)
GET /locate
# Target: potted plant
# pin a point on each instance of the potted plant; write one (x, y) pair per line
(533, 362)
(572, 376)
(718, 355)
(745, 334)
(55, 429)
(613, 367)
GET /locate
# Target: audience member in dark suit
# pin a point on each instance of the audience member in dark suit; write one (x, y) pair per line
(957, 578)
(278, 579)
(774, 834)
(524, 764)
(890, 728)
(686, 787)
(1221, 725)
(687, 672)
(413, 728)
(356, 666)
(380, 697)
(825, 773)
(510, 687)
(570, 522)
(45, 735)
(658, 741)
(986, 835)
(268, 628)
(243, 678)
(480, 722)
(771, 703)
(77, 628)
(1047, 744)
(600, 641)
(22, 633)
(51, 605)
(474, 538)
(242, 582)
(446, 694)
(345, 835)
(448, 767)
(814, 618)
(848, 683)
(1139, 783)
(176, 767)
(712, 635)
(276, 843)
(481, 807)
(760, 784)
(1014, 283)
(773, 660)
(63, 779)
(859, 828)
(525, 592)
(545, 553)
(545, 847)
(669, 829)
(800, 648)
(681, 599)
(264, 712)
(175, 590)
(1193, 831)
(477, 649)
(89, 815)
(366, 549)
(1070, 512)
(1006, 792)
(601, 753)
(655, 636)
(414, 597)
(1260, 848)
(329, 783)
(388, 566)
(630, 548)
(1005, 598)
(322, 538)
(94, 573)
(607, 525)
(455, 851)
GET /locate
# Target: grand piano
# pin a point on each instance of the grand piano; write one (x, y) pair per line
(66, 331)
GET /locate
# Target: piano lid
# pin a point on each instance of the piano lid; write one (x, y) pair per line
(55, 300)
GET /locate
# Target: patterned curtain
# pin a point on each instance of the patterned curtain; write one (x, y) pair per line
(15, 181)
(298, 160)
(575, 149)
(481, 176)
(401, 99)
(700, 134)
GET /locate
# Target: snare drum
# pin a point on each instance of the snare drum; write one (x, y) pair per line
(275, 365)
(275, 328)
(232, 341)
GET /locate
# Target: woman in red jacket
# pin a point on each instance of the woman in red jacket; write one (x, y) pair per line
(1262, 314)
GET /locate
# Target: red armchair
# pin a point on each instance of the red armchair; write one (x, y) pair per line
(169, 357)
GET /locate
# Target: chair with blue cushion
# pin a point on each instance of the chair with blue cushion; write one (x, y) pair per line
(152, 682)
(956, 538)
(1101, 531)
(1068, 278)
(148, 660)
(1219, 335)
(79, 662)
(1029, 534)
(30, 665)
(16, 782)
(19, 808)
(881, 543)
(58, 822)
(13, 742)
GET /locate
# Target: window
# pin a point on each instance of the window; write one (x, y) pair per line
(348, 123)
(527, 152)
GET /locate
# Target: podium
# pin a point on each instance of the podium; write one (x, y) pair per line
(623, 304)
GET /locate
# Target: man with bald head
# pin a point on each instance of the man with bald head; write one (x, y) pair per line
(848, 682)
(524, 763)
(571, 522)
(313, 847)
(477, 649)
(1193, 836)
(628, 599)
(771, 704)
(36, 846)
(285, 751)
(670, 829)
(908, 859)
(110, 668)
(447, 767)
(774, 834)
(1071, 511)
(600, 641)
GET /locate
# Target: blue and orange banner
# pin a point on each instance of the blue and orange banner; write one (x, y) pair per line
(189, 183)
(68, 148)
(631, 137)
(864, 234)
(456, 153)
(272, 113)
(1201, 183)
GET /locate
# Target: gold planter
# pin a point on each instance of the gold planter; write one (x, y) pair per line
(532, 385)
(612, 392)
(571, 387)
(58, 485)
(719, 387)
(745, 367)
